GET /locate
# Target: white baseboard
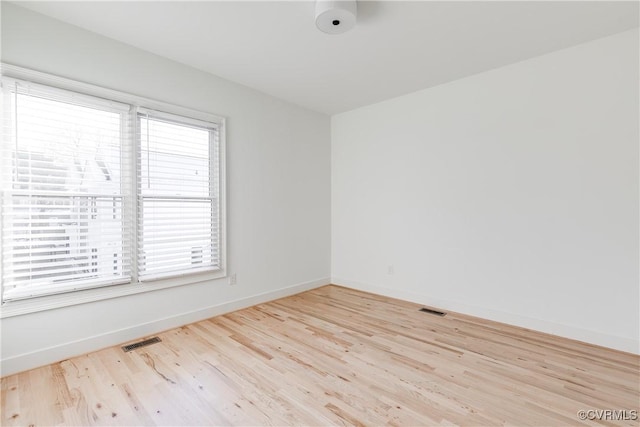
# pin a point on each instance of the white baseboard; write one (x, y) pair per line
(611, 341)
(45, 356)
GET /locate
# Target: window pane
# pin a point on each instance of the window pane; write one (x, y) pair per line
(174, 159)
(177, 235)
(63, 147)
(54, 239)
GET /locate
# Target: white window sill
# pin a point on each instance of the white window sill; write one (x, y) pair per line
(50, 302)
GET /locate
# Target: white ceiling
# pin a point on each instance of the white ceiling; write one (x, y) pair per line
(396, 47)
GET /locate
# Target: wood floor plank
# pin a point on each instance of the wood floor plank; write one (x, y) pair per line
(333, 356)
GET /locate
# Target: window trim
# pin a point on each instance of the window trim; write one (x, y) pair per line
(48, 302)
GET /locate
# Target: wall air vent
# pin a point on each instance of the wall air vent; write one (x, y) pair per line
(139, 344)
(436, 312)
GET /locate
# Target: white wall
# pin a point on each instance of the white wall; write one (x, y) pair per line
(278, 161)
(511, 195)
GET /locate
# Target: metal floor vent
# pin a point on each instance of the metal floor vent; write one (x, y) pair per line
(141, 344)
(436, 312)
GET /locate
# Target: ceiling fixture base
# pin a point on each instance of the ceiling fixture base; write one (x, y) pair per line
(335, 16)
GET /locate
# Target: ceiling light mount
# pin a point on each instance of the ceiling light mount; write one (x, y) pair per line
(335, 16)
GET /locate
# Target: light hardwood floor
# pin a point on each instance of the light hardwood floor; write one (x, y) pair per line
(332, 356)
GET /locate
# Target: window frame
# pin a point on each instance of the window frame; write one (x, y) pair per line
(135, 286)
(213, 130)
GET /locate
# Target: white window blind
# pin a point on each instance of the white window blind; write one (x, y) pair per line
(178, 202)
(63, 226)
(97, 193)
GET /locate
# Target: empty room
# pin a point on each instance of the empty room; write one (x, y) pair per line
(367, 213)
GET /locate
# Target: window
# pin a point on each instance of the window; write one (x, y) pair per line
(176, 171)
(99, 192)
